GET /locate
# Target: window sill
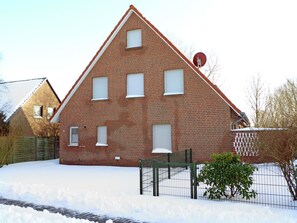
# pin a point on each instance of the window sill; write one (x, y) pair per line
(73, 145)
(99, 99)
(178, 93)
(133, 47)
(135, 96)
(101, 144)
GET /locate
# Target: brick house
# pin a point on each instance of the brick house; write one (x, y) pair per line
(28, 106)
(138, 96)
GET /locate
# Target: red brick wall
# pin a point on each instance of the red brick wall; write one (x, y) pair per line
(199, 118)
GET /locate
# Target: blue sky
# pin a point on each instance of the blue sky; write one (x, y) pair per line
(58, 38)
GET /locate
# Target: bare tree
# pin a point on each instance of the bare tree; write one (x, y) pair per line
(212, 67)
(256, 96)
(280, 145)
(212, 70)
(281, 107)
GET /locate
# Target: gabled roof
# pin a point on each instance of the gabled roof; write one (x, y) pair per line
(14, 94)
(132, 9)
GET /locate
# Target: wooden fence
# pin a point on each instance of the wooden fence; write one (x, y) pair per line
(22, 149)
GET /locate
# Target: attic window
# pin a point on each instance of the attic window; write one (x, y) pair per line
(134, 38)
(37, 112)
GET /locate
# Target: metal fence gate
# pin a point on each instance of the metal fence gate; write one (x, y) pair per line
(171, 174)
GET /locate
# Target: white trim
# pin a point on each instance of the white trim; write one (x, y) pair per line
(101, 144)
(252, 129)
(73, 144)
(99, 99)
(177, 93)
(56, 117)
(189, 66)
(135, 96)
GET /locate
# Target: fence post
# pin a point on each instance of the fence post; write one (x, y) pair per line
(168, 160)
(154, 178)
(140, 176)
(157, 179)
(191, 157)
(193, 180)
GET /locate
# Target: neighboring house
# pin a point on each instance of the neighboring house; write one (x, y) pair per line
(28, 106)
(138, 96)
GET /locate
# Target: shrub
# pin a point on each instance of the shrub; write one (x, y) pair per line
(227, 177)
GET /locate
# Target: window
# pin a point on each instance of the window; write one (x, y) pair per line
(50, 112)
(101, 136)
(100, 88)
(135, 85)
(37, 111)
(73, 139)
(174, 82)
(162, 138)
(134, 38)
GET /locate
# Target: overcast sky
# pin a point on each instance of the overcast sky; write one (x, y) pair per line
(58, 38)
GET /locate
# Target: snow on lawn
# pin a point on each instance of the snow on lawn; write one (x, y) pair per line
(13, 214)
(114, 191)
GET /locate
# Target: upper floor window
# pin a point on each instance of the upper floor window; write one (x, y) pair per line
(101, 136)
(50, 112)
(37, 112)
(174, 82)
(73, 136)
(135, 85)
(100, 88)
(134, 38)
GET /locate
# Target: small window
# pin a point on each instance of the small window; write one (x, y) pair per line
(73, 139)
(38, 111)
(135, 85)
(50, 112)
(162, 138)
(101, 136)
(100, 88)
(134, 38)
(174, 82)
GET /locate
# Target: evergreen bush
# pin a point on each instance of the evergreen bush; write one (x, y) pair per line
(226, 176)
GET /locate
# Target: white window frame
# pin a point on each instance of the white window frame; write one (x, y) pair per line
(102, 82)
(50, 112)
(170, 79)
(101, 136)
(166, 145)
(134, 38)
(38, 114)
(70, 136)
(135, 85)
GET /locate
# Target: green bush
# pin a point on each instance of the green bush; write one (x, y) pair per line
(227, 177)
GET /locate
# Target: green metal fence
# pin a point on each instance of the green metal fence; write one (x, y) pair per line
(22, 149)
(169, 174)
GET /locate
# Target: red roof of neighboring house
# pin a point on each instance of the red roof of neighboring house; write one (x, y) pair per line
(106, 43)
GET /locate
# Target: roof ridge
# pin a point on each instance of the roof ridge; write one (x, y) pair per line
(32, 79)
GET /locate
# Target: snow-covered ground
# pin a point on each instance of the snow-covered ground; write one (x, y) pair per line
(13, 214)
(114, 191)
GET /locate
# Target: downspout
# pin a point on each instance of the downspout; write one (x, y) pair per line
(243, 118)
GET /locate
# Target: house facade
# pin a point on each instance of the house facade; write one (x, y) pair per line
(28, 106)
(140, 96)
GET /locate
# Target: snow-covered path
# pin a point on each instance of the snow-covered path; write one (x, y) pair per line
(114, 192)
